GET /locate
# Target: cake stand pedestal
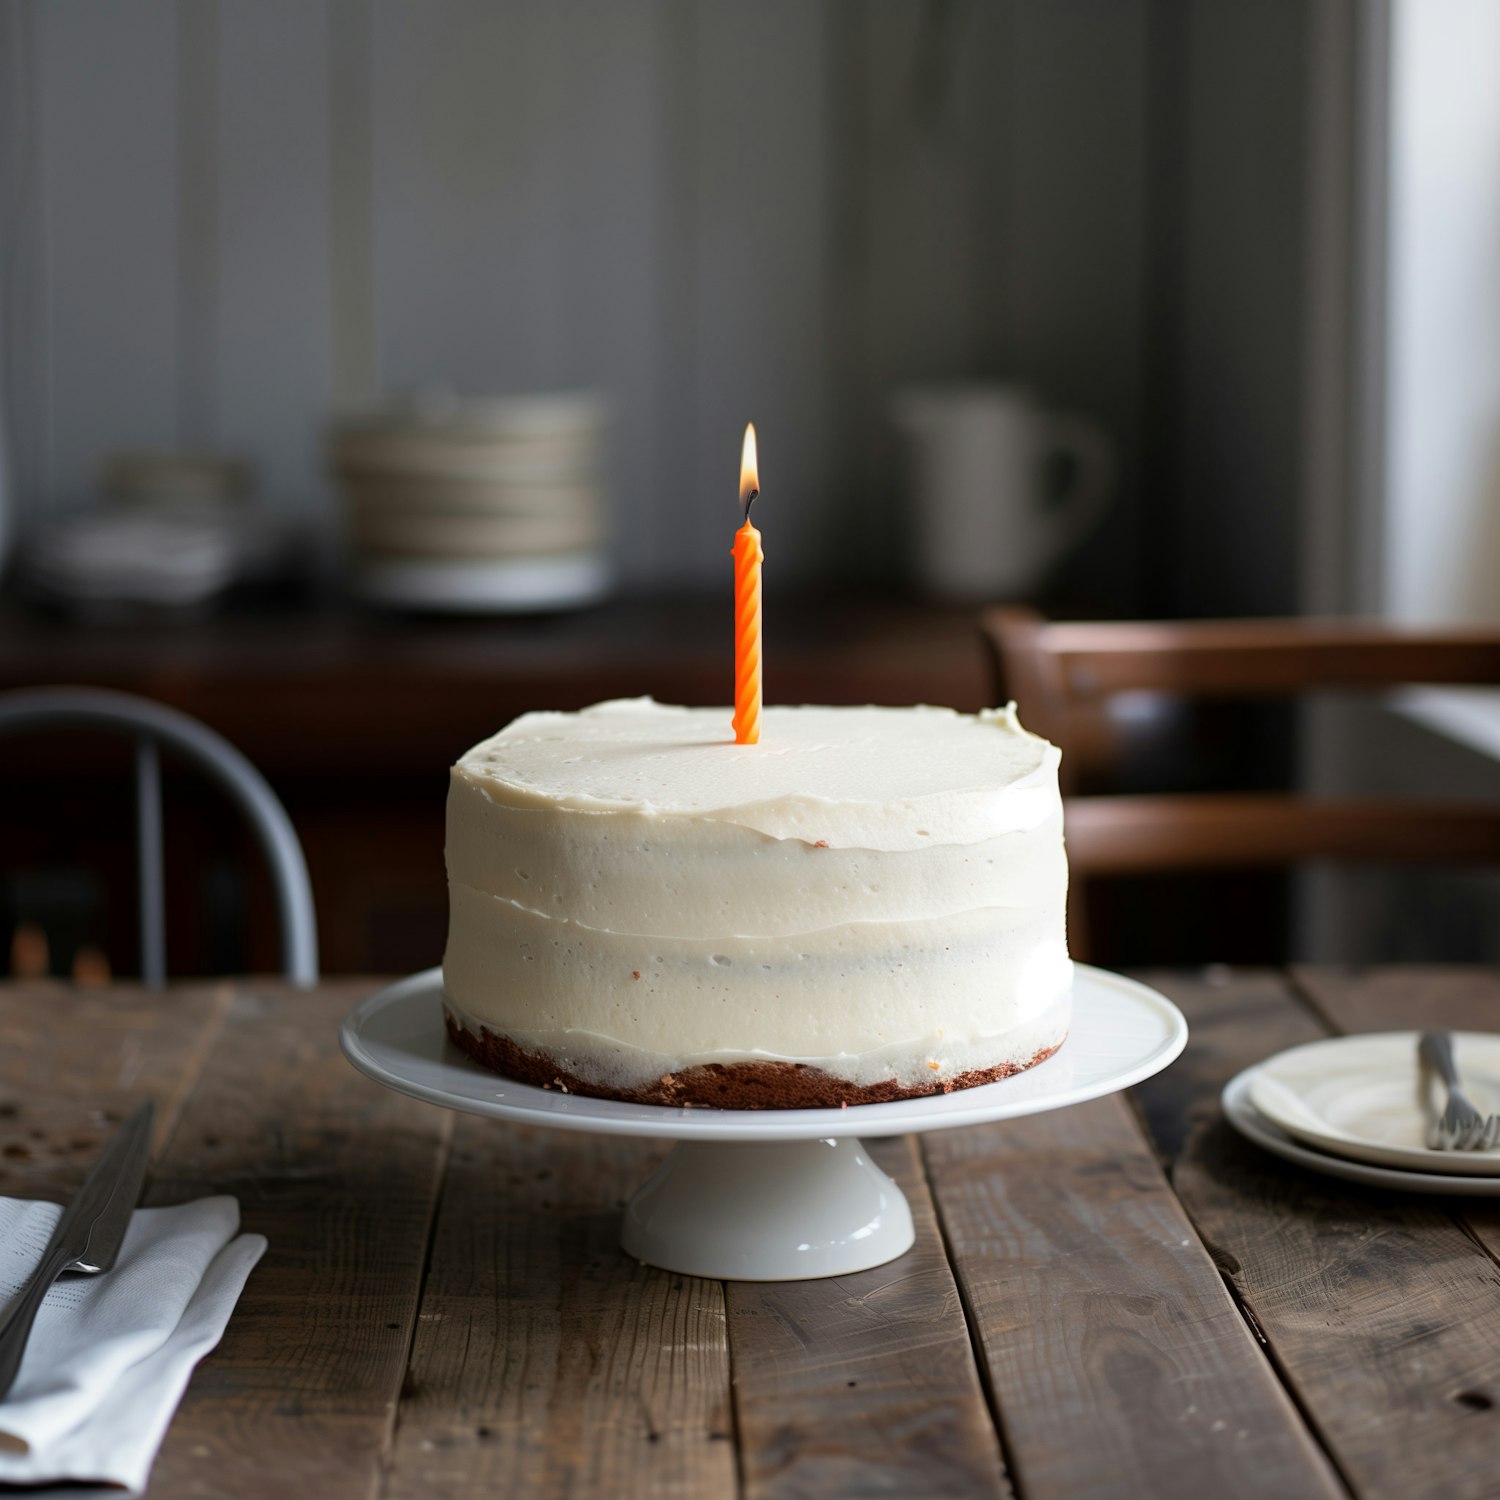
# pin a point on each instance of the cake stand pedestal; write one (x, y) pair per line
(768, 1211)
(768, 1195)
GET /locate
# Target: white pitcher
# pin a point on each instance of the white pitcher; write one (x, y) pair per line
(987, 525)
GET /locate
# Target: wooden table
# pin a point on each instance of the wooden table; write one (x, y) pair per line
(1121, 1298)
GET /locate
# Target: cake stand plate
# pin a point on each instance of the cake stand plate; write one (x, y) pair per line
(768, 1195)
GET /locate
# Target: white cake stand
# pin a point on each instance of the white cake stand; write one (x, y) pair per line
(768, 1195)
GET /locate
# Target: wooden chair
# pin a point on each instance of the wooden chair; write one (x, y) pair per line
(155, 727)
(1063, 677)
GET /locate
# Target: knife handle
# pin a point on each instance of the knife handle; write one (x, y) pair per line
(17, 1327)
(1436, 1050)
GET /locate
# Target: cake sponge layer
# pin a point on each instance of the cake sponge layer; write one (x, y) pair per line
(664, 876)
(844, 990)
(760, 1084)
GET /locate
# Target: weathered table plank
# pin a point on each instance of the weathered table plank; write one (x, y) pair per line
(340, 1175)
(73, 1063)
(1235, 1017)
(1380, 1311)
(865, 1385)
(1401, 998)
(1395, 998)
(1118, 1362)
(547, 1362)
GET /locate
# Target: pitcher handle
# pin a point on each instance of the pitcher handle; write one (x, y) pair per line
(1082, 505)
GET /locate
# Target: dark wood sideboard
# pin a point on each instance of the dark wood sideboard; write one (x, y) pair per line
(355, 718)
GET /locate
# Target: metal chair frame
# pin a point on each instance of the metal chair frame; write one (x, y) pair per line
(153, 726)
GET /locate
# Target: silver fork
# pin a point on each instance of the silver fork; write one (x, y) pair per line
(1462, 1127)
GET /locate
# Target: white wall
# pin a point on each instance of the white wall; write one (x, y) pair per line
(1425, 480)
(222, 219)
(1442, 538)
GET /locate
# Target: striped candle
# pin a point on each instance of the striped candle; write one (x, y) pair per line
(748, 558)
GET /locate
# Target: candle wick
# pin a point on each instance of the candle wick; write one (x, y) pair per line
(749, 501)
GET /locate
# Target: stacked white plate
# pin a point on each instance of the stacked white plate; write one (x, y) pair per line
(174, 530)
(477, 504)
(1361, 1107)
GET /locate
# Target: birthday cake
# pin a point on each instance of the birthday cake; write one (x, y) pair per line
(867, 905)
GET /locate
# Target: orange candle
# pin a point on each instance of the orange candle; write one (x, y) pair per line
(747, 560)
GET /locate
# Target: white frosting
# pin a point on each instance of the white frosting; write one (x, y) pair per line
(868, 778)
(875, 891)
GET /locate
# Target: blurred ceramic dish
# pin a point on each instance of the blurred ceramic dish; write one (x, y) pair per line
(1366, 1098)
(168, 479)
(106, 558)
(1250, 1123)
(530, 583)
(988, 524)
(477, 504)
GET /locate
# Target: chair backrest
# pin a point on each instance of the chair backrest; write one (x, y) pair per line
(153, 726)
(1062, 676)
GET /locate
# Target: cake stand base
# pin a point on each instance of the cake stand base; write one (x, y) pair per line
(768, 1211)
(768, 1194)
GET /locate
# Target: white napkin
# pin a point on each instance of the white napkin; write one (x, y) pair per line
(109, 1356)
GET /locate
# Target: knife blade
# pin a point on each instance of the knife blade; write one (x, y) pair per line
(88, 1234)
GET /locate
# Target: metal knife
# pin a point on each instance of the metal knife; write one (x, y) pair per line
(87, 1237)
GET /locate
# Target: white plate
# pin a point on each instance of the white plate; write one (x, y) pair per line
(1122, 1032)
(499, 584)
(1365, 1097)
(1254, 1126)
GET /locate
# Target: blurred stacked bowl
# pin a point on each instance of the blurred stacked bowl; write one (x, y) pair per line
(165, 531)
(477, 504)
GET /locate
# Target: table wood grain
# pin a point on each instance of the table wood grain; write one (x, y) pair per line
(1122, 1298)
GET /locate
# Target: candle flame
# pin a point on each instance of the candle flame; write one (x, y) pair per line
(749, 470)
